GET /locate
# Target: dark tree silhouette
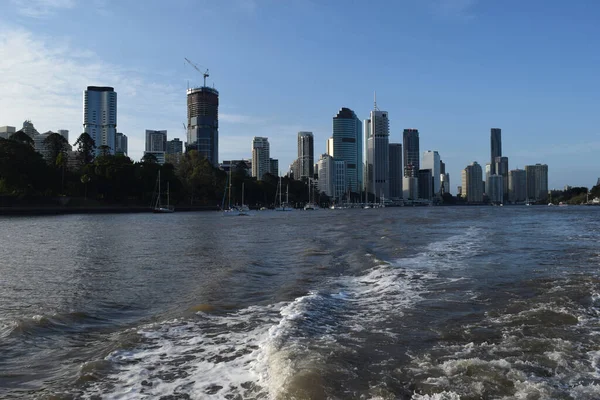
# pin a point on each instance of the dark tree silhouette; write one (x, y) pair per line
(21, 137)
(85, 147)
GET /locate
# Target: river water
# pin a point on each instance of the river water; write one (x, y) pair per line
(395, 303)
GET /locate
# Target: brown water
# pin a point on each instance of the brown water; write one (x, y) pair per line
(395, 303)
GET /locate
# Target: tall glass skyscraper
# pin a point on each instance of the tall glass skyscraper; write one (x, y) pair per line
(100, 116)
(203, 123)
(306, 154)
(495, 147)
(410, 139)
(377, 133)
(347, 146)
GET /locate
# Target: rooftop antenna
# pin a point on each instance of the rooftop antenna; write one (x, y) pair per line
(375, 100)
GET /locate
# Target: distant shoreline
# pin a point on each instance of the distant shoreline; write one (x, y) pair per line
(41, 210)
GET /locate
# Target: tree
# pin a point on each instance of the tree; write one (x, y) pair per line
(22, 170)
(21, 137)
(56, 145)
(149, 158)
(85, 147)
(104, 150)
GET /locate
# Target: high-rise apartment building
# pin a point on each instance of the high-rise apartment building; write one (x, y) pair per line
(64, 133)
(203, 123)
(274, 166)
(410, 140)
(377, 132)
(348, 146)
(100, 116)
(329, 147)
(472, 183)
(174, 146)
(410, 188)
(340, 184)
(501, 168)
(29, 129)
(431, 160)
(517, 185)
(306, 157)
(326, 174)
(396, 176)
(495, 148)
(7, 131)
(121, 143)
(537, 181)
(261, 161)
(156, 141)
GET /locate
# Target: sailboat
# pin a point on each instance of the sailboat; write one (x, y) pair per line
(158, 207)
(283, 206)
(310, 205)
(234, 210)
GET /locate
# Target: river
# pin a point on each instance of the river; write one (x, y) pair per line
(395, 303)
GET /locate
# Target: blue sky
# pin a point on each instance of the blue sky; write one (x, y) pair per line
(451, 68)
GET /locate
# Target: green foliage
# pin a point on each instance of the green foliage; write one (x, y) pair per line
(85, 147)
(21, 137)
(57, 145)
(23, 172)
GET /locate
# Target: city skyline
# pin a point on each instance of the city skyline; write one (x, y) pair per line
(38, 43)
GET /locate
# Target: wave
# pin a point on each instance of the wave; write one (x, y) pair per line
(48, 324)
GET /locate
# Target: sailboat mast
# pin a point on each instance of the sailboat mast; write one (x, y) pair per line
(168, 195)
(280, 191)
(229, 200)
(242, 193)
(158, 198)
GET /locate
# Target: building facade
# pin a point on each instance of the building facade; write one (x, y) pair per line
(410, 188)
(100, 116)
(396, 176)
(121, 143)
(174, 146)
(537, 182)
(274, 166)
(501, 168)
(517, 186)
(348, 146)
(495, 189)
(495, 148)
(156, 141)
(377, 132)
(340, 184)
(7, 131)
(306, 157)
(326, 174)
(472, 183)
(425, 177)
(432, 161)
(261, 161)
(410, 140)
(203, 123)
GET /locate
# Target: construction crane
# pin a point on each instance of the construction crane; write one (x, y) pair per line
(204, 74)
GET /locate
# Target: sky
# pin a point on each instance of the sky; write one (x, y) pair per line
(451, 68)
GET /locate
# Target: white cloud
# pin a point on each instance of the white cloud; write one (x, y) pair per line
(41, 8)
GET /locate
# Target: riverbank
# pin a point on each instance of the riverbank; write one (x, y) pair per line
(33, 210)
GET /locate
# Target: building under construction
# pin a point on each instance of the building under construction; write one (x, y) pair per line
(203, 123)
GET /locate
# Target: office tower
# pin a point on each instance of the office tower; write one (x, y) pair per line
(425, 177)
(495, 147)
(410, 188)
(340, 184)
(377, 132)
(306, 156)
(7, 131)
(64, 133)
(156, 140)
(100, 116)
(261, 162)
(431, 160)
(40, 146)
(329, 147)
(174, 146)
(274, 166)
(501, 169)
(442, 168)
(495, 189)
(410, 140)
(488, 173)
(29, 129)
(537, 181)
(517, 185)
(347, 146)
(396, 171)
(326, 174)
(472, 184)
(445, 183)
(120, 143)
(203, 123)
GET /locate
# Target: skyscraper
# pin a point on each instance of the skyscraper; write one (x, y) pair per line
(537, 181)
(347, 146)
(377, 132)
(261, 162)
(156, 141)
(431, 160)
(425, 184)
(396, 171)
(274, 166)
(326, 174)
(495, 147)
(100, 116)
(472, 183)
(306, 157)
(121, 143)
(64, 133)
(410, 139)
(501, 168)
(517, 185)
(495, 188)
(203, 123)
(174, 146)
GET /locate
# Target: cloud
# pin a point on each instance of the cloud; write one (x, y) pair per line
(41, 8)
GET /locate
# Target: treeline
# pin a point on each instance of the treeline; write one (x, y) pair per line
(82, 178)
